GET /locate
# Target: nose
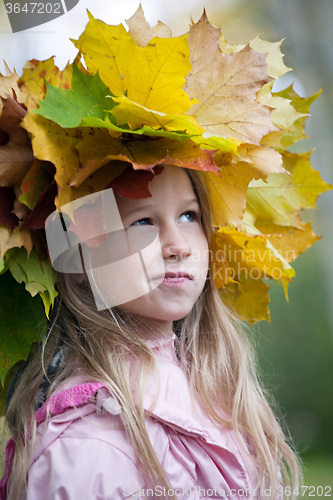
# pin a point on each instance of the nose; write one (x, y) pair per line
(174, 243)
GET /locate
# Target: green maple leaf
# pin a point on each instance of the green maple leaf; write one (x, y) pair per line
(89, 98)
(5, 385)
(22, 321)
(38, 278)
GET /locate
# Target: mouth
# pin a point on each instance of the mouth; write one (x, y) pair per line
(180, 274)
(174, 276)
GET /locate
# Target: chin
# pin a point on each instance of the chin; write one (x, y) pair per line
(171, 315)
(161, 311)
(160, 315)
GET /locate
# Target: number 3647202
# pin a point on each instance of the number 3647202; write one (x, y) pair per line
(33, 8)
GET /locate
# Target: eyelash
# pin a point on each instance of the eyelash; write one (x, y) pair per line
(192, 212)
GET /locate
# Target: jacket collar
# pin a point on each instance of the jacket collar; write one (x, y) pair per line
(174, 402)
(176, 409)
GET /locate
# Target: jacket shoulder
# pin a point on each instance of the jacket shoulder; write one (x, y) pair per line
(90, 458)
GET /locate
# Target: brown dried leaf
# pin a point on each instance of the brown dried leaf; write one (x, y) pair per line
(16, 156)
(142, 32)
(8, 85)
(263, 160)
(274, 57)
(226, 86)
(7, 198)
(17, 238)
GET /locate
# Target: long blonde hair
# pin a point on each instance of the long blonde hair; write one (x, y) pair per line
(213, 350)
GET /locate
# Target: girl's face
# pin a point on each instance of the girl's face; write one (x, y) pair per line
(175, 213)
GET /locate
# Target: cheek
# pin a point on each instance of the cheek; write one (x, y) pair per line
(200, 258)
(203, 249)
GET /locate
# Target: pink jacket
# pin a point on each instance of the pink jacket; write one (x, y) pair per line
(84, 452)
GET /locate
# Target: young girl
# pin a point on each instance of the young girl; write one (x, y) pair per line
(156, 397)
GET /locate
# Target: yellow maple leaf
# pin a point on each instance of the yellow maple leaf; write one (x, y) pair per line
(227, 190)
(281, 199)
(249, 299)
(289, 113)
(221, 272)
(158, 75)
(291, 241)
(107, 49)
(136, 116)
(228, 187)
(152, 76)
(32, 81)
(279, 249)
(283, 113)
(55, 144)
(253, 255)
(302, 105)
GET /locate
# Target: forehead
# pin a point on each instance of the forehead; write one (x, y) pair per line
(172, 187)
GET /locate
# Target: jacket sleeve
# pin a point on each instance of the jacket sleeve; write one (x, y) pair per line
(74, 468)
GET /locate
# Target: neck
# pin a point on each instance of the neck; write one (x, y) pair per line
(154, 328)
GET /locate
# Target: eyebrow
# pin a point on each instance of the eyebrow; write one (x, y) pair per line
(148, 205)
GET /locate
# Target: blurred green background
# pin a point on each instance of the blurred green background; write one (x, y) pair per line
(296, 349)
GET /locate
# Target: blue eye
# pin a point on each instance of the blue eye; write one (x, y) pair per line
(192, 216)
(139, 222)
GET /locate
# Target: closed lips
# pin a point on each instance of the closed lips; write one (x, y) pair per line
(178, 275)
